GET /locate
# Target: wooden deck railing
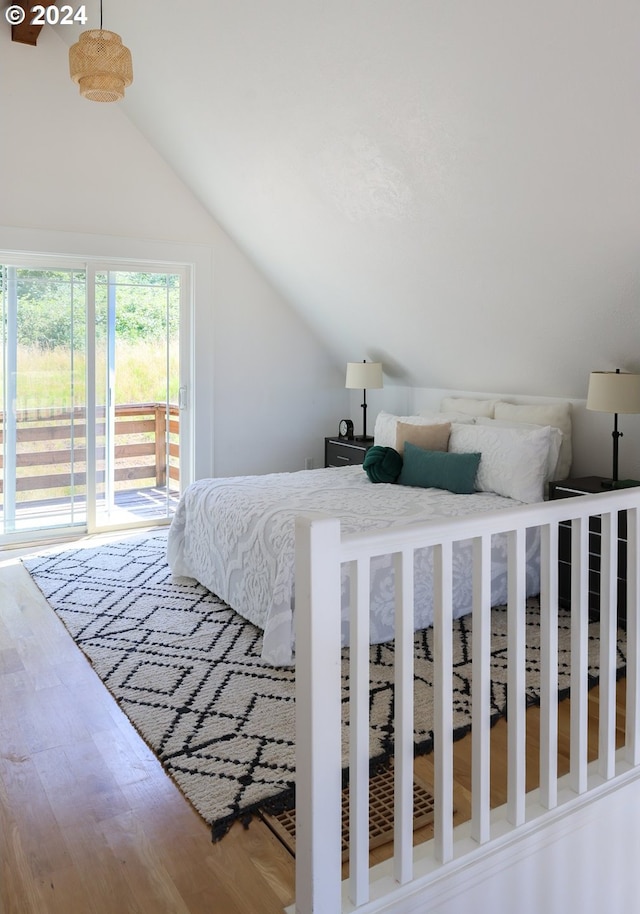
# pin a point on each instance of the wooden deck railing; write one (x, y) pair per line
(51, 447)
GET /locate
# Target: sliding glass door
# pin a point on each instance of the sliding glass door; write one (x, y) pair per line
(90, 397)
(137, 408)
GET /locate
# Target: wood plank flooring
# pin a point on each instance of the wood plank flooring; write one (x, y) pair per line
(90, 823)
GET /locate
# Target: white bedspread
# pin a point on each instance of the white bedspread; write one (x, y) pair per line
(236, 537)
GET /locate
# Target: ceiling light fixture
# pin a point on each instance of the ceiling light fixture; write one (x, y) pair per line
(101, 65)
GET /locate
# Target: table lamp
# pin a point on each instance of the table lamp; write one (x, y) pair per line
(614, 392)
(367, 375)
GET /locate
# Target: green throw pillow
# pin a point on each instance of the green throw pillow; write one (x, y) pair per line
(440, 469)
(382, 464)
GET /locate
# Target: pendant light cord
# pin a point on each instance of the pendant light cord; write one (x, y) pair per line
(100, 15)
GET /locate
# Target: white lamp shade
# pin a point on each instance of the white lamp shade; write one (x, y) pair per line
(364, 375)
(614, 392)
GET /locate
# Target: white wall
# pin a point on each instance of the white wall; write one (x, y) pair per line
(79, 178)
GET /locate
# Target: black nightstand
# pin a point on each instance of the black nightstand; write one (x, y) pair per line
(345, 452)
(589, 485)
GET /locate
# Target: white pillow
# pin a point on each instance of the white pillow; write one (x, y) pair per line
(513, 463)
(384, 432)
(557, 415)
(555, 440)
(468, 406)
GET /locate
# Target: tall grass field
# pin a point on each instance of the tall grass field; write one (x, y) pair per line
(48, 378)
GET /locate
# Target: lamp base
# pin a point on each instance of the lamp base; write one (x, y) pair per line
(363, 438)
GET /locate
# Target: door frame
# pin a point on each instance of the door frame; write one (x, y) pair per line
(90, 265)
(185, 379)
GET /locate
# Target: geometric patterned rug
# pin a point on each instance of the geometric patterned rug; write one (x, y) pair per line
(186, 671)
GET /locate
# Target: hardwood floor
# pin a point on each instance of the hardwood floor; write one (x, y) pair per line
(90, 823)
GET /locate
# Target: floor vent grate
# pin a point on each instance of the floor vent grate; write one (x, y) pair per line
(283, 824)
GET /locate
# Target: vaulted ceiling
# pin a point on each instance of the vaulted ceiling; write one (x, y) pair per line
(450, 186)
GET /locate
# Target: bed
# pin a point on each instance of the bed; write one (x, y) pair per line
(236, 535)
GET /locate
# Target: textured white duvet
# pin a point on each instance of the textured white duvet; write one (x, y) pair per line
(236, 537)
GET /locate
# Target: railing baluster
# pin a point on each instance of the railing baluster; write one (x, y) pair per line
(318, 721)
(403, 720)
(443, 700)
(359, 733)
(549, 665)
(608, 638)
(632, 715)
(481, 691)
(579, 662)
(161, 455)
(516, 731)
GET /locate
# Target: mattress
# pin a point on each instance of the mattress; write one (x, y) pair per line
(235, 535)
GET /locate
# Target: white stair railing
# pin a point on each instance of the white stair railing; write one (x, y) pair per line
(320, 552)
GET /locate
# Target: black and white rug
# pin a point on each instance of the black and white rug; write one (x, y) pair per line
(186, 670)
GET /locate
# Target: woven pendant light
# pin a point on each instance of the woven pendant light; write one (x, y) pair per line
(101, 65)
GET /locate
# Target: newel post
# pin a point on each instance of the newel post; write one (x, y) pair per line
(318, 717)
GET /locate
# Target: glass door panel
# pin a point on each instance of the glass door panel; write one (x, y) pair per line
(137, 320)
(42, 399)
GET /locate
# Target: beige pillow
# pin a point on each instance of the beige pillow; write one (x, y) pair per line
(429, 437)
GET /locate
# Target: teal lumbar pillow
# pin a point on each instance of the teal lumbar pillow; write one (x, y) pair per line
(382, 464)
(439, 470)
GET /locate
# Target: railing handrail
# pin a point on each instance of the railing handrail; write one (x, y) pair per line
(63, 413)
(386, 541)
